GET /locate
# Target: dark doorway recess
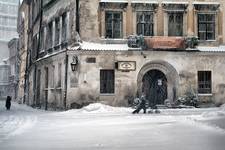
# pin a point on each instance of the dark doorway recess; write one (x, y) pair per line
(155, 87)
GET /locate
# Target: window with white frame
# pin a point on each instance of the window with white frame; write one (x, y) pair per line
(145, 23)
(113, 24)
(206, 26)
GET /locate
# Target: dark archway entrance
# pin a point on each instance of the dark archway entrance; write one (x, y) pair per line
(154, 85)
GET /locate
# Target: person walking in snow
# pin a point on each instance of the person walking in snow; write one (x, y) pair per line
(142, 105)
(8, 102)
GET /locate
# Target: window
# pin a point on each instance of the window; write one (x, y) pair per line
(145, 23)
(50, 35)
(107, 81)
(113, 24)
(64, 27)
(206, 26)
(42, 44)
(59, 75)
(57, 31)
(175, 24)
(46, 77)
(53, 77)
(204, 82)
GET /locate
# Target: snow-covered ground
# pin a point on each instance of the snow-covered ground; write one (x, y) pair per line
(103, 127)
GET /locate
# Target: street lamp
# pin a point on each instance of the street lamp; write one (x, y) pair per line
(74, 63)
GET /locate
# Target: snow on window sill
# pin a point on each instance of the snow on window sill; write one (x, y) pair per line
(209, 94)
(107, 94)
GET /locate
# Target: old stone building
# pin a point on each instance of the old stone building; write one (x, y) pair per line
(14, 68)
(103, 63)
(22, 29)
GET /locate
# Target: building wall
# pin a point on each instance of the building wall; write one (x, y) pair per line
(92, 19)
(83, 85)
(22, 28)
(186, 65)
(52, 94)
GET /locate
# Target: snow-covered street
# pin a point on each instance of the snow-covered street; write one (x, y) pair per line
(103, 127)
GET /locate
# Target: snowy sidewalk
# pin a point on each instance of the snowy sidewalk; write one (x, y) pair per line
(99, 126)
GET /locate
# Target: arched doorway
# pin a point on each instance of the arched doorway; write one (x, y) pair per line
(159, 69)
(154, 85)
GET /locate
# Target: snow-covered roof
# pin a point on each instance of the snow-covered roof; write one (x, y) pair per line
(205, 3)
(114, 1)
(211, 49)
(145, 1)
(101, 47)
(175, 2)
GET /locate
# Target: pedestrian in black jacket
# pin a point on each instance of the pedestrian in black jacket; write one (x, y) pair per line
(142, 105)
(8, 102)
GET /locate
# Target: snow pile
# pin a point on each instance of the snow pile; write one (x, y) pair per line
(214, 114)
(101, 108)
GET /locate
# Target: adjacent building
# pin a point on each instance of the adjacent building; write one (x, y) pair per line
(82, 51)
(14, 68)
(8, 19)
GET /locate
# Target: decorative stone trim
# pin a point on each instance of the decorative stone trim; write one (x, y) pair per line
(175, 7)
(144, 7)
(104, 5)
(206, 6)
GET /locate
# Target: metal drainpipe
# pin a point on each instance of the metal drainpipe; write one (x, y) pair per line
(65, 82)
(77, 16)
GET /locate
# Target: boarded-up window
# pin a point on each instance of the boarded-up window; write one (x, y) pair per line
(113, 24)
(107, 81)
(206, 26)
(145, 23)
(57, 31)
(64, 27)
(175, 24)
(204, 82)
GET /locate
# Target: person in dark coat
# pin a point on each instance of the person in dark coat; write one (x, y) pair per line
(142, 105)
(8, 102)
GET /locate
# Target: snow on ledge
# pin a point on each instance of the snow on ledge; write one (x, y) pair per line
(101, 47)
(205, 3)
(211, 49)
(113, 1)
(144, 1)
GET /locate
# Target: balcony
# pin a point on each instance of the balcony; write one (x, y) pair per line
(163, 43)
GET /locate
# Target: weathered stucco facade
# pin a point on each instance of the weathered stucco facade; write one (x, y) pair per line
(66, 70)
(180, 69)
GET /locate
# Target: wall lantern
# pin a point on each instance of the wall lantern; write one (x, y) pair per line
(74, 63)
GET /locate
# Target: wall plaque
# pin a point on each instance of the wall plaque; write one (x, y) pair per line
(126, 65)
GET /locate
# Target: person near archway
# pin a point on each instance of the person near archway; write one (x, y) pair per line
(142, 105)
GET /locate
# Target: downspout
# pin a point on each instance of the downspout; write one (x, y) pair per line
(65, 82)
(78, 16)
(37, 53)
